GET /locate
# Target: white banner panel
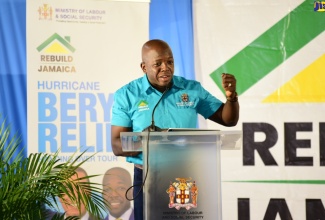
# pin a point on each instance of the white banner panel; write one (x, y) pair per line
(78, 54)
(276, 51)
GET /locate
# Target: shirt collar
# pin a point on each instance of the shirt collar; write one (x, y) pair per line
(145, 84)
(178, 82)
(125, 216)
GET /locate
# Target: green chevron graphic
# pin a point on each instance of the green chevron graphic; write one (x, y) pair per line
(55, 36)
(273, 47)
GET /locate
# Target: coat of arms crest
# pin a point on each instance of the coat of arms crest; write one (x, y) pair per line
(184, 192)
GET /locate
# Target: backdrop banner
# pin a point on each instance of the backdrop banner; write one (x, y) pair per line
(78, 54)
(276, 51)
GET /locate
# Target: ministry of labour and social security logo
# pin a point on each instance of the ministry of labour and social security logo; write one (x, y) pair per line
(319, 6)
(182, 194)
(184, 97)
(56, 55)
(73, 14)
(45, 12)
(184, 101)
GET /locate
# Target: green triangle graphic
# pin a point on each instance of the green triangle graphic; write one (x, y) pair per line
(273, 47)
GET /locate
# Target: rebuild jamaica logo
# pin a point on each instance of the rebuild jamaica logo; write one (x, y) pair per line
(143, 105)
(305, 86)
(56, 55)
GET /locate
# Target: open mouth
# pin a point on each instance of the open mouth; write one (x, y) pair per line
(115, 204)
(165, 77)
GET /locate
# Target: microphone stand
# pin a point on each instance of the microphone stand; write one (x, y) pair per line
(152, 127)
(149, 129)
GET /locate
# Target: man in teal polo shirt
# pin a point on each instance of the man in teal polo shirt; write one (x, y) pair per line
(180, 102)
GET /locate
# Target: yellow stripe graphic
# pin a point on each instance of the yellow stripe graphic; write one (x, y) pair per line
(306, 86)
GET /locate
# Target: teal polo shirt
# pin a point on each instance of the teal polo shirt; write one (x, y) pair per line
(179, 108)
(134, 103)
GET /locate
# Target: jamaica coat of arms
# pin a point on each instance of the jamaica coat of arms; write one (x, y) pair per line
(184, 192)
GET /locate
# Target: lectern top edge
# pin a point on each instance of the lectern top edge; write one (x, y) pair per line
(183, 131)
(228, 140)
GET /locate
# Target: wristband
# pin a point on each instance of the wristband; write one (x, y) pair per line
(233, 99)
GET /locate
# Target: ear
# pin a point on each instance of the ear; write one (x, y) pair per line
(143, 67)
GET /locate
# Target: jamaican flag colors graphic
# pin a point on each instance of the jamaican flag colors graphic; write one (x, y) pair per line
(276, 51)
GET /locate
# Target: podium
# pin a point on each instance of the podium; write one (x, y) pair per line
(183, 171)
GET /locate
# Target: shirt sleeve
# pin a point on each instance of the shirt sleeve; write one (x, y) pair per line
(208, 104)
(120, 110)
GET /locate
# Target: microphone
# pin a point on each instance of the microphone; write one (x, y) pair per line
(152, 127)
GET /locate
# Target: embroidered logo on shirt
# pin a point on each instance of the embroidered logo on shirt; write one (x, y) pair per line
(184, 97)
(143, 105)
(185, 101)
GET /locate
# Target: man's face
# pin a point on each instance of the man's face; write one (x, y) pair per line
(71, 208)
(114, 192)
(159, 66)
